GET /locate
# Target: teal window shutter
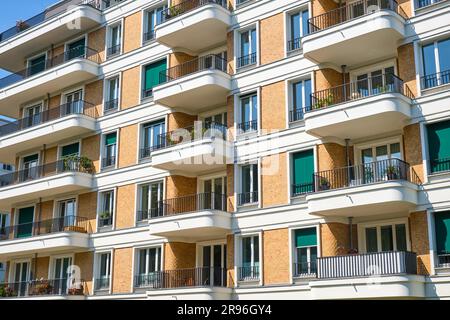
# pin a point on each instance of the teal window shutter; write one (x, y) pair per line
(306, 237)
(111, 138)
(70, 149)
(303, 164)
(442, 228)
(152, 75)
(439, 146)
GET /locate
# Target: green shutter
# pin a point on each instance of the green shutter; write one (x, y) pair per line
(152, 74)
(442, 227)
(70, 149)
(305, 237)
(303, 164)
(111, 139)
(31, 158)
(439, 146)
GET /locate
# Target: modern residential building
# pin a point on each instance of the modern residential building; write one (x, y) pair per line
(227, 149)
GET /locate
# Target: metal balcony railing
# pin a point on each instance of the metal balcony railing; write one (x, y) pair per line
(105, 222)
(70, 164)
(247, 197)
(109, 161)
(305, 269)
(294, 44)
(352, 91)
(248, 126)
(440, 165)
(185, 204)
(364, 174)
(186, 6)
(111, 106)
(113, 50)
(425, 3)
(81, 52)
(184, 278)
(302, 188)
(47, 287)
(102, 283)
(436, 79)
(246, 60)
(352, 11)
(250, 273)
(208, 62)
(443, 260)
(366, 265)
(73, 108)
(37, 228)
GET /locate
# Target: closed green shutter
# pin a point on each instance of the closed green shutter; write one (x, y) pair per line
(439, 146)
(111, 139)
(31, 158)
(152, 74)
(305, 237)
(442, 227)
(70, 150)
(303, 163)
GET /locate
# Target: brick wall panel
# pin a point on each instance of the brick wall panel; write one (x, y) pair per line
(274, 180)
(273, 106)
(125, 212)
(272, 43)
(276, 256)
(122, 276)
(127, 145)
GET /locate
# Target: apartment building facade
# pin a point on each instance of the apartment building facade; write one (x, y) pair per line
(227, 149)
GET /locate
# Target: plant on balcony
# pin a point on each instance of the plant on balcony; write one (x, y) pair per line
(43, 288)
(174, 11)
(391, 172)
(21, 25)
(6, 291)
(324, 102)
(76, 291)
(105, 215)
(324, 184)
(382, 89)
(87, 164)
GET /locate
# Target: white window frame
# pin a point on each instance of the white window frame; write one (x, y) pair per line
(161, 189)
(239, 110)
(237, 49)
(109, 39)
(103, 150)
(288, 25)
(358, 148)
(238, 251)
(107, 85)
(251, 181)
(145, 21)
(97, 266)
(100, 205)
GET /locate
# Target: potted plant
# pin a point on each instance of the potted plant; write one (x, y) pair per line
(324, 184)
(324, 102)
(6, 291)
(21, 25)
(104, 217)
(391, 172)
(73, 291)
(86, 164)
(43, 288)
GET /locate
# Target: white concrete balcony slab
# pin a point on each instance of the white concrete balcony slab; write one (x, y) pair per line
(47, 127)
(56, 24)
(202, 293)
(194, 85)
(195, 25)
(371, 189)
(348, 113)
(356, 33)
(69, 68)
(44, 181)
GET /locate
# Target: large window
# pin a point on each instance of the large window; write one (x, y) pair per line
(439, 146)
(114, 40)
(302, 173)
(32, 115)
(103, 271)
(250, 258)
(151, 196)
(149, 263)
(385, 237)
(4, 223)
(152, 18)
(112, 95)
(109, 150)
(305, 252)
(298, 28)
(436, 64)
(248, 113)
(106, 212)
(153, 76)
(442, 230)
(300, 99)
(247, 48)
(151, 137)
(37, 64)
(249, 184)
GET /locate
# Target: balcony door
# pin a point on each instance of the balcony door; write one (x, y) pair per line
(36, 65)
(30, 169)
(250, 258)
(377, 163)
(374, 82)
(214, 263)
(25, 222)
(151, 201)
(214, 193)
(149, 264)
(65, 214)
(61, 274)
(389, 237)
(21, 277)
(76, 49)
(32, 115)
(73, 103)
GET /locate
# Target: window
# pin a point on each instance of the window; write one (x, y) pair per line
(247, 53)
(250, 259)
(389, 237)
(439, 146)
(36, 65)
(151, 197)
(305, 252)
(4, 224)
(76, 49)
(436, 64)
(112, 95)
(298, 29)
(32, 115)
(152, 18)
(424, 3)
(21, 277)
(70, 150)
(103, 272)
(151, 139)
(25, 222)
(381, 162)
(149, 264)
(214, 193)
(302, 173)
(153, 76)
(114, 41)
(65, 214)
(73, 103)
(109, 150)
(106, 209)
(61, 273)
(30, 168)
(213, 265)
(249, 184)
(374, 82)
(442, 231)
(249, 113)
(300, 99)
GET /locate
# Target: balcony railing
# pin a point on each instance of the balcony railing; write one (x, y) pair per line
(184, 278)
(443, 260)
(302, 188)
(32, 229)
(111, 106)
(366, 265)
(247, 198)
(81, 52)
(364, 174)
(200, 131)
(426, 3)
(77, 107)
(353, 11)
(248, 273)
(208, 62)
(48, 287)
(440, 165)
(70, 164)
(148, 36)
(102, 283)
(352, 91)
(248, 126)
(294, 44)
(305, 269)
(436, 79)
(49, 13)
(113, 50)
(108, 162)
(185, 204)
(105, 222)
(246, 60)
(186, 6)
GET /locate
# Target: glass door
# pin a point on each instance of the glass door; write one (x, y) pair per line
(74, 103)
(391, 237)
(66, 214)
(214, 191)
(25, 222)
(148, 268)
(214, 264)
(32, 116)
(151, 201)
(381, 163)
(30, 168)
(36, 65)
(21, 278)
(76, 49)
(61, 274)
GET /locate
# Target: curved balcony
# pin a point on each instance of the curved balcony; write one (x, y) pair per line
(195, 25)
(47, 127)
(353, 34)
(363, 108)
(373, 188)
(194, 85)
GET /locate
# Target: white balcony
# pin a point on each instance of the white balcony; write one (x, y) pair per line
(352, 36)
(47, 128)
(57, 24)
(195, 25)
(203, 293)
